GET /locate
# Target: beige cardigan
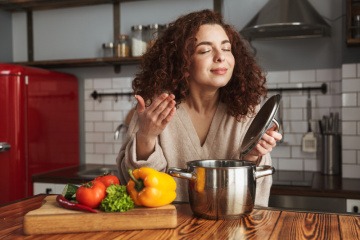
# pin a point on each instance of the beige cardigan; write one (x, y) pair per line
(179, 143)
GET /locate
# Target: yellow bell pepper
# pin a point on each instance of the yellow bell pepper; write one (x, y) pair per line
(150, 188)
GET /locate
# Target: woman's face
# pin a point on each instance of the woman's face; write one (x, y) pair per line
(212, 63)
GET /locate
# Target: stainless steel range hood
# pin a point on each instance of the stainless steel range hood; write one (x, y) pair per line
(286, 19)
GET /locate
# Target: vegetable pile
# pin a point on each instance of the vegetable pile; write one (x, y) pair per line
(104, 192)
(146, 187)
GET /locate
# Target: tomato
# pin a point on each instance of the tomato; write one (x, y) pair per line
(108, 179)
(91, 194)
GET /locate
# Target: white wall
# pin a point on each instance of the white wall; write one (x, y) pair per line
(6, 36)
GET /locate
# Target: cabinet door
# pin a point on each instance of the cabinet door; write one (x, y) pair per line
(352, 22)
(48, 188)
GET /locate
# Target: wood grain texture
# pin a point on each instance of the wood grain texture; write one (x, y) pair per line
(261, 224)
(50, 218)
(296, 225)
(349, 227)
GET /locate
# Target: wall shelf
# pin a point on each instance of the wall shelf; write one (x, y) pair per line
(84, 62)
(29, 6)
(35, 5)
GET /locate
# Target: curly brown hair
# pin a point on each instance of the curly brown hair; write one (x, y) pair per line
(164, 66)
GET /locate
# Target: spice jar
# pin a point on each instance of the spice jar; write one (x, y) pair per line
(138, 40)
(122, 46)
(108, 49)
(153, 34)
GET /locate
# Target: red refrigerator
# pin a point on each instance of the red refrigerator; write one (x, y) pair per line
(39, 126)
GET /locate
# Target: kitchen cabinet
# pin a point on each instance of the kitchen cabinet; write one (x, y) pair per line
(353, 22)
(29, 6)
(310, 203)
(48, 188)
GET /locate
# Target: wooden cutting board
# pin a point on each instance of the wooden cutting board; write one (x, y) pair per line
(51, 218)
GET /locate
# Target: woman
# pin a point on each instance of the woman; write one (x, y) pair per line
(198, 90)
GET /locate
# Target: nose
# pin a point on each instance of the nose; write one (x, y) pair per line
(219, 57)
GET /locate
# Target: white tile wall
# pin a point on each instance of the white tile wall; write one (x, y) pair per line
(343, 96)
(289, 155)
(102, 118)
(351, 120)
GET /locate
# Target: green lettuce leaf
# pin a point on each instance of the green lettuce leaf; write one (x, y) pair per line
(117, 199)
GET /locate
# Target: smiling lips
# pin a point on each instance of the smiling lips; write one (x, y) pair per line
(219, 71)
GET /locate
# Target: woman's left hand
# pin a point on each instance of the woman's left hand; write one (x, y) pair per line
(265, 145)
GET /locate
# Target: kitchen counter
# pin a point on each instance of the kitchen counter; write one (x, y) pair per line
(264, 223)
(69, 175)
(299, 183)
(315, 184)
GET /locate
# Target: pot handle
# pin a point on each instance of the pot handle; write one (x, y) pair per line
(181, 173)
(278, 126)
(264, 170)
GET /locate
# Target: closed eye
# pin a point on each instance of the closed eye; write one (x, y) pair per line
(204, 51)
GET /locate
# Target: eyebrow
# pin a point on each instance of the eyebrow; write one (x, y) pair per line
(209, 43)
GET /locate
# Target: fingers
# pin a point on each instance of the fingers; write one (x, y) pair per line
(160, 111)
(274, 127)
(274, 134)
(169, 116)
(267, 143)
(162, 106)
(141, 104)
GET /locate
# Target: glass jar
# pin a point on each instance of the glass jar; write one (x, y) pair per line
(108, 49)
(138, 40)
(154, 32)
(122, 46)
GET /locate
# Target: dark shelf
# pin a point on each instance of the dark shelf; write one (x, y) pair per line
(31, 5)
(353, 42)
(84, 62)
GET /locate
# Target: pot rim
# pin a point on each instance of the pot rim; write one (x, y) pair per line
(249, 164)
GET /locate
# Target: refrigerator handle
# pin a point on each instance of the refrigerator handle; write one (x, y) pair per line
(4, 147)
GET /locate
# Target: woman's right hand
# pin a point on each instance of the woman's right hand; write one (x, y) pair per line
(152, 121)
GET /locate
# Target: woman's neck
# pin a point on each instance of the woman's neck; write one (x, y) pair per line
(202, 103)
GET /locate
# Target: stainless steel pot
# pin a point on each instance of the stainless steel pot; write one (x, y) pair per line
(221, 189)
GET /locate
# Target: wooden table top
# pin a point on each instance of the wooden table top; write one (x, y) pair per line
(262, 223)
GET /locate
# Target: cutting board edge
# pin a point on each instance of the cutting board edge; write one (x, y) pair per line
(34, 229)
(70, 221)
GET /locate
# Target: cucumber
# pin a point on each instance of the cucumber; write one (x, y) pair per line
(69, 191)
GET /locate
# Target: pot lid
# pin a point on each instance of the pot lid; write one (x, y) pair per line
(260, 124)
